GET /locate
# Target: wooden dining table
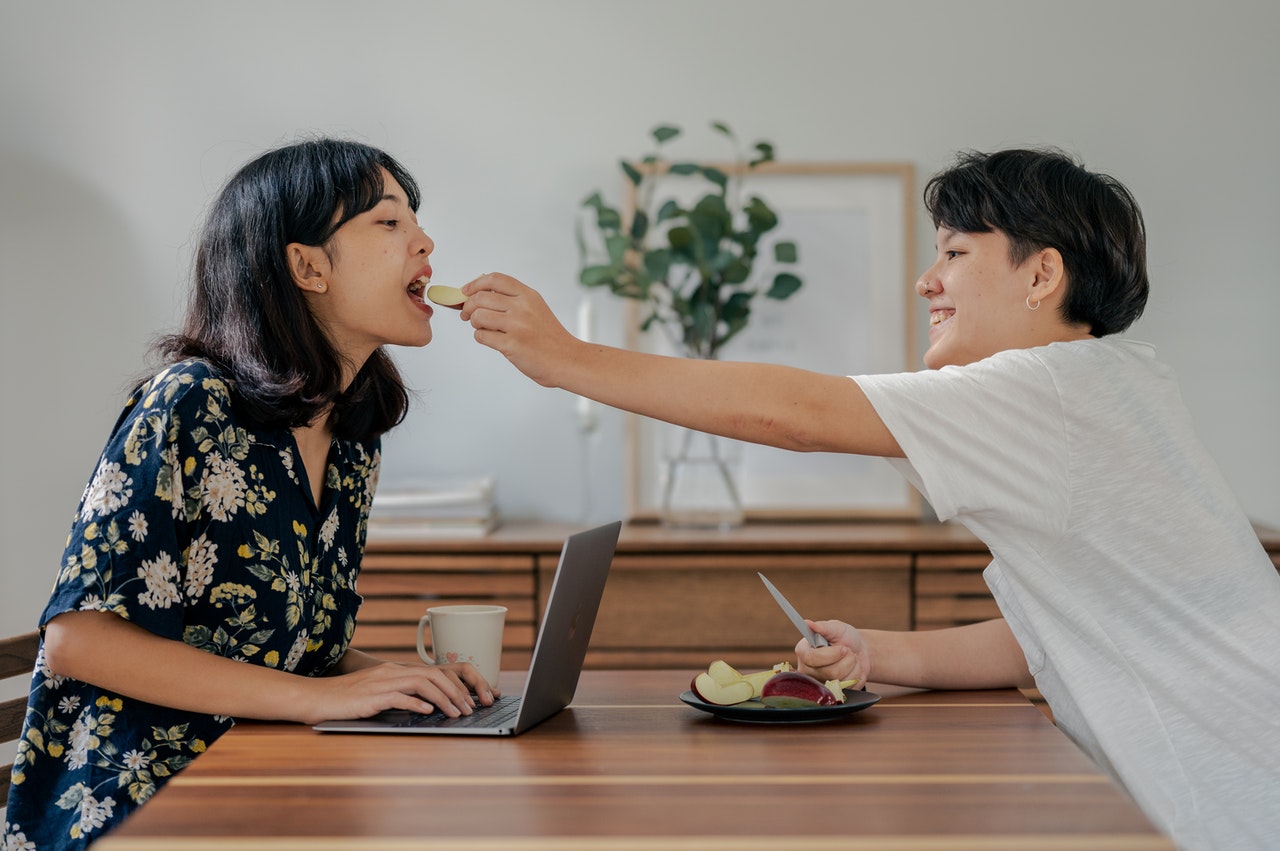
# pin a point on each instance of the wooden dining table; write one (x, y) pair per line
(628, 767)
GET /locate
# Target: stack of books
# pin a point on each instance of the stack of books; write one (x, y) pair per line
(441, 509)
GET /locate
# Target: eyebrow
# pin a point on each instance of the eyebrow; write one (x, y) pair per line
(398, 200)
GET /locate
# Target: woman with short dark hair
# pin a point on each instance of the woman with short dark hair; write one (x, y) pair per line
(211, 568)
(1135, 593)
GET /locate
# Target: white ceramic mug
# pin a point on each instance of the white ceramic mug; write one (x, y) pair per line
(464, 634)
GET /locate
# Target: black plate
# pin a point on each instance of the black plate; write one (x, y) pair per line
(759, 713)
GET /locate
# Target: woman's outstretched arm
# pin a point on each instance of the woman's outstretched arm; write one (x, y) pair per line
(108, 651)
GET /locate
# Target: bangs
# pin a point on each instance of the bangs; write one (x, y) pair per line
(354, 184)
(961, 201)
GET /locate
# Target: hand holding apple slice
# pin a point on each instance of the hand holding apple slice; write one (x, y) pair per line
(446, 296)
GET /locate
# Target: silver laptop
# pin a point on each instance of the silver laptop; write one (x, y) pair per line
(557, 659)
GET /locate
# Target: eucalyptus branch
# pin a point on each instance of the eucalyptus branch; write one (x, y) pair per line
(693, 265)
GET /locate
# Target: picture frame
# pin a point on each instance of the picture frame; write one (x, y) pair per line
(853, 224)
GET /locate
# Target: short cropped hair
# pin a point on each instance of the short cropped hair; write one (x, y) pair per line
(249, 319)
(1044, 199)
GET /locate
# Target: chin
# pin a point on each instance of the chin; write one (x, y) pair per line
(423, 336)
(941, 354)
(416, 341)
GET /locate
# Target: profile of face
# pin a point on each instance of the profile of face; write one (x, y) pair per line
(980, 301)
(366, 285)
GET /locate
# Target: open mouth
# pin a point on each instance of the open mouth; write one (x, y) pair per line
(937, 317)
(418, 288)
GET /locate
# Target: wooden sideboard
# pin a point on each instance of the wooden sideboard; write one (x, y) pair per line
(681, 598)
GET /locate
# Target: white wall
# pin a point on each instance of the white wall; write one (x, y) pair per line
(120, 120)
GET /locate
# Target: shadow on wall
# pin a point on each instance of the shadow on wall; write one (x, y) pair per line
(71, 338)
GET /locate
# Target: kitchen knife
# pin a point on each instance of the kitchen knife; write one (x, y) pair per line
(790, 611)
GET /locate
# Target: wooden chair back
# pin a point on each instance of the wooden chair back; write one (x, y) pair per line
(17, 659)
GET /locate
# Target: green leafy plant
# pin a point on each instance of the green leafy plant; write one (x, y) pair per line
(691, 267)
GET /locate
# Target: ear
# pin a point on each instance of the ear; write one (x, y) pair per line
(1050, 275)
(309, 266)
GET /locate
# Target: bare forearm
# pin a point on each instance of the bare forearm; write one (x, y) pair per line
(981, 655)
(104, 649)
(761, 403)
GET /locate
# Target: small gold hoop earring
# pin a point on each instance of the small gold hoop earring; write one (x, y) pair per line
(1031, 306)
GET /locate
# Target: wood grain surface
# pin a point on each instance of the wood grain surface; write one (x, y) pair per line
(628, 766)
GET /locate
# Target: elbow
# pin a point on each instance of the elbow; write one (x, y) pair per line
(794, 435)
(59, 647)
(70, 638)
(808, 440)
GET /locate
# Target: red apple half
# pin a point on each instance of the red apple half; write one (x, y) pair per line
(794, 690)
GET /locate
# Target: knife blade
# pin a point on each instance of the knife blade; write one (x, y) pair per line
(790, 611)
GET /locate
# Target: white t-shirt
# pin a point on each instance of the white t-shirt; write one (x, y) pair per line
(1147, 609)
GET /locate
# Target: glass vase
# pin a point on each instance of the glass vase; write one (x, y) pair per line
(700, 480)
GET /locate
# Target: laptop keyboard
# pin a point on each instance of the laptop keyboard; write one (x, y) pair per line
(501, 713)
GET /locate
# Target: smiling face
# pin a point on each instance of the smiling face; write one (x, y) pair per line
(366, 285)
(978, 299)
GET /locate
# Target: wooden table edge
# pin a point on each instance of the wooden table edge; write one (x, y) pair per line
(993, 842)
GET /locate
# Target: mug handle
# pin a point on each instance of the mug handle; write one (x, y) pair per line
(423, 622)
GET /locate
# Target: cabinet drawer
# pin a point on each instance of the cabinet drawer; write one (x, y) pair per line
(448, 562)
(688, 609)
(390, 610)
(398, 588)
(949, 590)
(385, 637)
(451, 587)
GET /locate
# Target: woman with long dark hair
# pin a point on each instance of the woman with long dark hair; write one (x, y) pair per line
(211, 568)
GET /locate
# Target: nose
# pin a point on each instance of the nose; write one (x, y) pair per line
(928, 284)
(422, 244)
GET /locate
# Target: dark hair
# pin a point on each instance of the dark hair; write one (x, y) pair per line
(248, 318)
(1044, 199)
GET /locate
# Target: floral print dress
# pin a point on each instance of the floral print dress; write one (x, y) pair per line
(199, 527)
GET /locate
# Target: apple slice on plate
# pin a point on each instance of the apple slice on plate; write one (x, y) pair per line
(705, 687)
(723, 673)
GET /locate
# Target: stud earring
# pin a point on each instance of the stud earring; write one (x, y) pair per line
(320, 287)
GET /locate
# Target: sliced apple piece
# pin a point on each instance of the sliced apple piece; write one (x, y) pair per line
(446, 296)
(706, 688)
(723, 673)
(757, 680)
(836, 687)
